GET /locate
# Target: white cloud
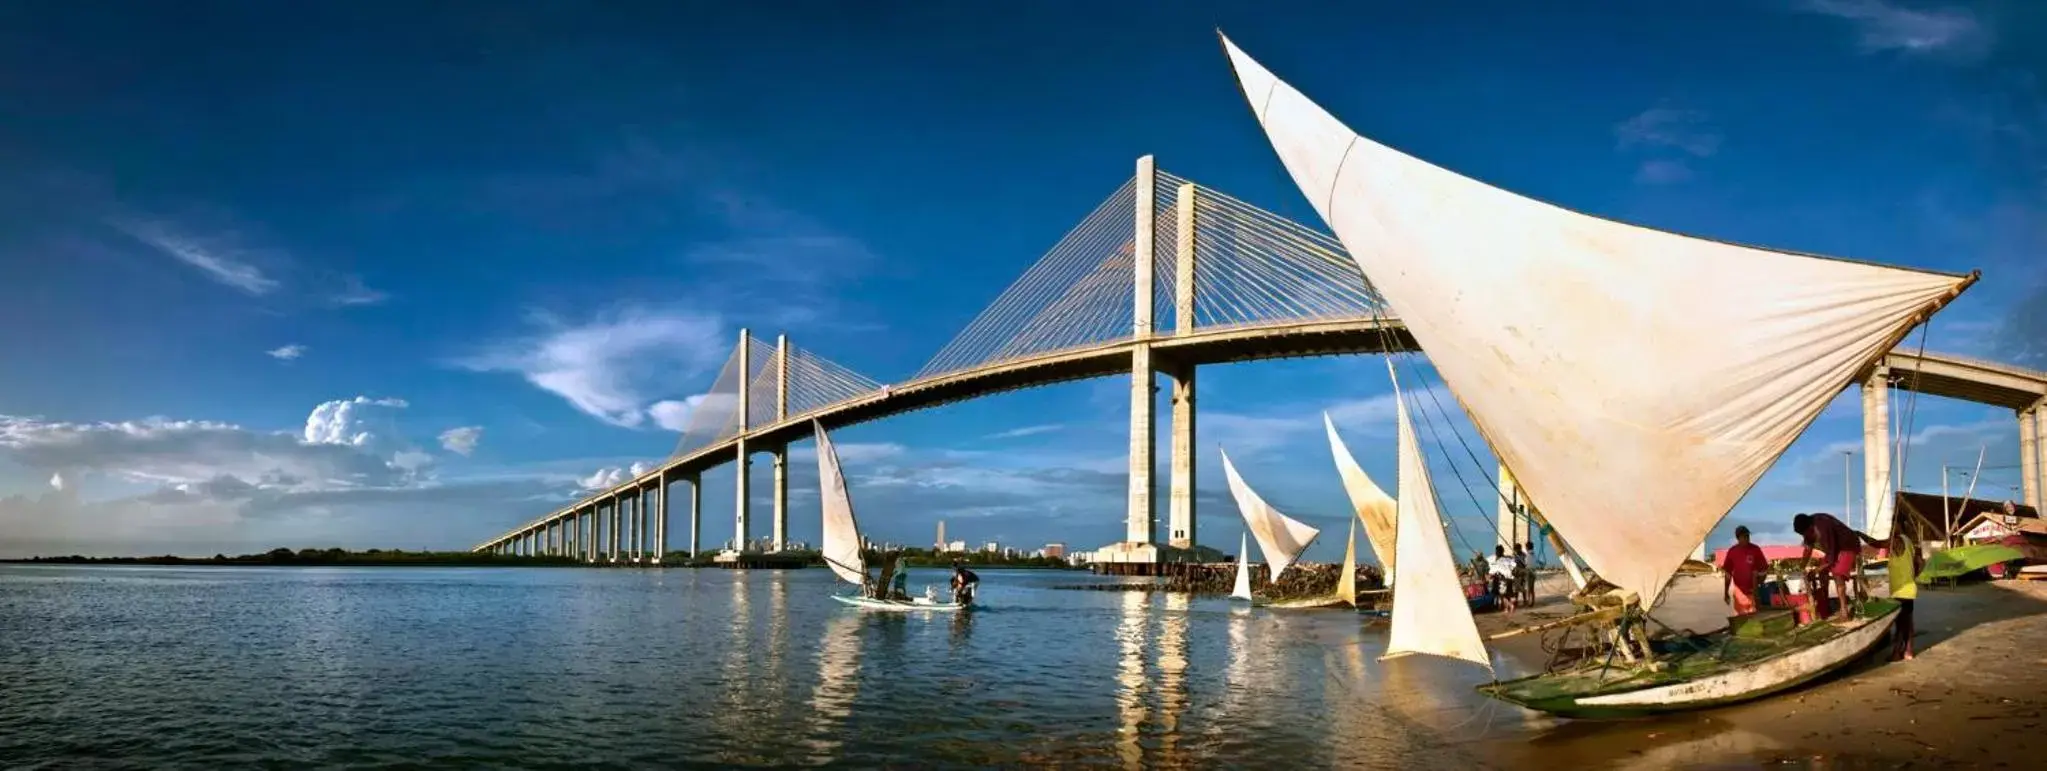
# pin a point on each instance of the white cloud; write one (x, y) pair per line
(1016, 433)
(57, 481)
(219, 259)
(614, 367)
(358, 422)
(674, 415)
(355, 292)
(1888, 26)
(287, 352)
(161, 451)
(462, 440)
(607, 478)
(1669, 127)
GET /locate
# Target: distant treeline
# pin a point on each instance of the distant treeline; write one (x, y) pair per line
(929, 558)
(318, 557)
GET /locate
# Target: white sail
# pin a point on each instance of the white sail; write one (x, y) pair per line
(841, 532)
(1347, 580)
(1430, 614)
(1638, 382)
(1242, 590)
(1375, 508)
(1280, 537)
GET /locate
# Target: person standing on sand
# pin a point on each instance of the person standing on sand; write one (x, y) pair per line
(1528, 576)
(1743, 566)
(1904, 569)
(1841, 550)
(1502, 575)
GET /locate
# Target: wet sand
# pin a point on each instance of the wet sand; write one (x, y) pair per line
(1974, 697)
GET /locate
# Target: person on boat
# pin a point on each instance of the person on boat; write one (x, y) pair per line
(1743, 567)
(1504, 587)
(964, 584)
(900, 589)
(1905, 565)
(1840, 547)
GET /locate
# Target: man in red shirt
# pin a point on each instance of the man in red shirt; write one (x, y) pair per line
(1744, 566)
(1841, 550)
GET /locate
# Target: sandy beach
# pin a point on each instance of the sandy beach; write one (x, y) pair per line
(1973, 697)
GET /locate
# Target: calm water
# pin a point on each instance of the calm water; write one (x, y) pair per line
(161, 667)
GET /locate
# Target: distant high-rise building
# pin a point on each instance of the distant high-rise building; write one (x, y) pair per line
(1055, 550)
(959, 546)
(941, 536)
(991, 547)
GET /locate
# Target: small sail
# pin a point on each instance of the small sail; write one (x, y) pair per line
(1612, 366)
(841, 532)
(1280, 537)
(1430, 614)
(1242, 590)
(1375, 508)
(1347, 581)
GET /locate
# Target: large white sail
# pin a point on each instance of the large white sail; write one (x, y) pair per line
(841, 532)
(1430, 613)
(1347, 580)
(1280, 537)
(1638, 382)
(1375, 508)
(1242, 590)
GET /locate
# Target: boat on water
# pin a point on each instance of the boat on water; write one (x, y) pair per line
(1605, 364)
(842, 546)
(1280, 538)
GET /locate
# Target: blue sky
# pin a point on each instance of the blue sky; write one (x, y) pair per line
(370, 274)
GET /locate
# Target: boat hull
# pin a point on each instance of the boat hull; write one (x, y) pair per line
(896, 605)
(1627, 697)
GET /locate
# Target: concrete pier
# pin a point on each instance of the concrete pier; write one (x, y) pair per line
(2029, 456)
(661, 519)
(744, 496)
(781, 491)
(696, 515)
(1877, 500)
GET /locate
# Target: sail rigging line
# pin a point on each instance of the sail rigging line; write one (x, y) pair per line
(1904, 444)
(1429, 424)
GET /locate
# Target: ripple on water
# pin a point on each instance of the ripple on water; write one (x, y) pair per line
(169, 667)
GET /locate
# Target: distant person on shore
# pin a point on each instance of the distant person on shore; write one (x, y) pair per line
(1904, 569)
(1528, 566)
(1520, 577)
(1743, 568)
(1840, 547)
(1502, 574)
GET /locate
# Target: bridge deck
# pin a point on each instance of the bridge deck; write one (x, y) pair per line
(1934, 374)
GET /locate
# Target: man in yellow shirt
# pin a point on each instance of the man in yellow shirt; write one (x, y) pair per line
(1904, 570)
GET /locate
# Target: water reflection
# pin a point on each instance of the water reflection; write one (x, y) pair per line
(838, 684)
(1130, 679)
(1172, 677)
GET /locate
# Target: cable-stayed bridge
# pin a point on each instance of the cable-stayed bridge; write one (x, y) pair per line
(1164, 276)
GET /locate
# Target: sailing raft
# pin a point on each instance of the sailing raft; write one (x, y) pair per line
(842, 545)
(1606, 365)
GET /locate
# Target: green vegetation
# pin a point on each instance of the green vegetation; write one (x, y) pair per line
(929, 558)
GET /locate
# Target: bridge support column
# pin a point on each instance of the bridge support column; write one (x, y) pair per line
(743, 498)
(613, 536)
(661, 518)
(1180, 533)
(1142, 525)
(2029, 456)
(696, 515)
(1877, 497)
(1512, 525)
(633, 522)
(589, 517)
(781, 498)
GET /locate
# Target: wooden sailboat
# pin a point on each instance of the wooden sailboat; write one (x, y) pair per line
(1607, 364)
(1280, 537)
(842, 543)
